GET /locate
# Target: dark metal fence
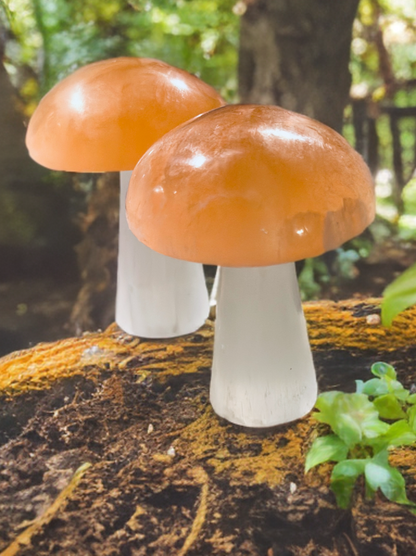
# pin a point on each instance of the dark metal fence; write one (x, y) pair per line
(367, 141)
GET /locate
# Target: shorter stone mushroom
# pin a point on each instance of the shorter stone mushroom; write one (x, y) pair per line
(103, 118)
(253, 189)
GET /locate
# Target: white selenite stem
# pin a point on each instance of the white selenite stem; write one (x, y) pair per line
(263, 373)
(157, 296)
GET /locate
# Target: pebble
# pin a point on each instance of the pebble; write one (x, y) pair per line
(373, 320)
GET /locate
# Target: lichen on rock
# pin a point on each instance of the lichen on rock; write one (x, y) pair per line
(166, 475)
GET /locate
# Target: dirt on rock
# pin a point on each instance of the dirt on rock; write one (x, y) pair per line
(110, 447)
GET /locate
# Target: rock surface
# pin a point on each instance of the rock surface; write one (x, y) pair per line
(109, 447)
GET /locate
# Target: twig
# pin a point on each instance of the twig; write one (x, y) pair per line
(24, 538)
(199, 520)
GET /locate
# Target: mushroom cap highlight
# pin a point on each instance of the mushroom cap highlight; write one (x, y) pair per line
(248, 185)
(105, 115)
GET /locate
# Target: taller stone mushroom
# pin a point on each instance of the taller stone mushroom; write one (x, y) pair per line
(103, 118)
(253, 188)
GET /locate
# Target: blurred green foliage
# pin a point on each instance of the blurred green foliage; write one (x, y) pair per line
(52, 38)
(396, 21)
(383, 66)
(49, 39)
(399, 295)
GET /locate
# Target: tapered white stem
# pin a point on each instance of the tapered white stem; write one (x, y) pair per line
(157, 296)
(263, 373)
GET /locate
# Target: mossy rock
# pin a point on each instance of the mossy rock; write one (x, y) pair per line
(160, 474)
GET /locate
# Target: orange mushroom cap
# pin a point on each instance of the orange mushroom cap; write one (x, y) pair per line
(249, 186)
(105, 115)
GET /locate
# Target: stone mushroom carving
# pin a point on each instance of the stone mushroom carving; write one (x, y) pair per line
(103, 118)
(253, 188)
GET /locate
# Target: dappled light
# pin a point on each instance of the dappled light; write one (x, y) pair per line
(150, 405)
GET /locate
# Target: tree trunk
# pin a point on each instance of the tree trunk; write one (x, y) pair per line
(14, 161)
(295, 53)
(36, 234)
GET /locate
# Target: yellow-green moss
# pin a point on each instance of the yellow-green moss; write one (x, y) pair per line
(331, 325)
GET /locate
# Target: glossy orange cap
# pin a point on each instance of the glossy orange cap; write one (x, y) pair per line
(249, 186)
(105, 115)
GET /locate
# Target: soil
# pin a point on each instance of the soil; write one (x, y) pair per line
(371, 275)
(110, 447)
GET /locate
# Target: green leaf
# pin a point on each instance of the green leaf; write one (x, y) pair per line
(400, 433)
(379, 474)
(399, 295)
(375, 387)
(343, 478)
(359, 385)
(389, 407)
(384, 384)
(325, 448)
(382, 369)
(411, 399)
(326, 400)
(348, 429)
(411, 416)
(374, 427)
(351, 416)
(397, 388)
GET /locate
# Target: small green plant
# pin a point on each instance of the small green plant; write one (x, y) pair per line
(365, 425)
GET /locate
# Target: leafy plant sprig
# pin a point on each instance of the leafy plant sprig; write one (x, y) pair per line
(398, 296)
(365, 425)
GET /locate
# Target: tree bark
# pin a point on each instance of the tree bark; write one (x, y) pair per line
(295, 53)
(14, 161)
(35, 228)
